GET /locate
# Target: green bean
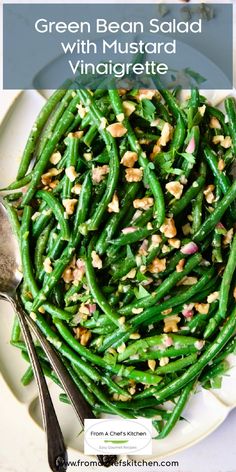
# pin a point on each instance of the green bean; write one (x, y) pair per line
(46, 154)
(175, 415)
(96, 293)
(97, 117)
(16, 331)
(36, 130)
(115, 219)
(149, 175)
(216, 215)
(27, 377)
(190, 374)
(155, 342)
(72, 157)
(231, 113)
(164, 288)
(191, 193)
(13, 218)
(58, 211)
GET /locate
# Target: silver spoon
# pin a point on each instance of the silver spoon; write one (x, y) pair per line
(10, 278)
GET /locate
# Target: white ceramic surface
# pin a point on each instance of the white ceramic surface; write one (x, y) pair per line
(206, 409)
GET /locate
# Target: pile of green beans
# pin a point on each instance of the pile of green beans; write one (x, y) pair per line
(124, 208)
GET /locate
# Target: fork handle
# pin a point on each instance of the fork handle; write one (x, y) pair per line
(57, 455)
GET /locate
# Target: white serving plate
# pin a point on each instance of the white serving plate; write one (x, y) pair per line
(206, 409)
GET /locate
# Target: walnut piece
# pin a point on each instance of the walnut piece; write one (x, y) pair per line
(171, 324)
(133, 175)
(144, 203)
(99, 173)
(113, 206)
(157, 265)
(129, 158)
(117, 130)
(175, 188)
(168, 228)
(96, 261)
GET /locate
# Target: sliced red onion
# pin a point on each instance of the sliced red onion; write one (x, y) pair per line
(92, 307)
(191, 146)
(189, 248)
(129, 229)
(168, 341)
(187, 313)
(220, 225)
(199, 344)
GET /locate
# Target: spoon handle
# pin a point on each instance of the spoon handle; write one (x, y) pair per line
(57, 455)
(78, 402)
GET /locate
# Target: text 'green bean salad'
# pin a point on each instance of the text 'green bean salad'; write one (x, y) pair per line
(125, 213)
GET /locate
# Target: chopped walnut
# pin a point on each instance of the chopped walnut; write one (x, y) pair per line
(164, 361)
(47, 265)
(214, 123)
(156, 240)
(228, 237)
(175, 188)
(76, 189)
(143, 250)
(167, 311)
(188, 281)
(83, 335)
(180, 265)
(69, 205)
(202, 110)
(55, 158)
(165, 249)
(133, 175)
(221, 164)
(81, 110)
(120, 117)
(174, 242)
(166, 134)
(99, 173)
(202, 308)
(171, 324)
(71, 173)
(129, 158)
(156, 150)
(117, 130)
(225, 142)
(168, 228)
(131, 274)
(145, 93)
(137, 311)
(152, 364)
(129, 107)
(144, 203)
(76, 134)
(186, 229)
(121, 348)
(212, 297)
(96, 261)
(157, 265)
(47, 177)
(135, 336)
(209, 195)
(113, 206)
